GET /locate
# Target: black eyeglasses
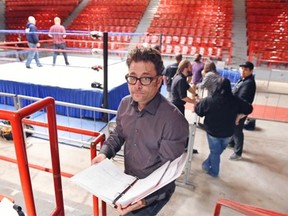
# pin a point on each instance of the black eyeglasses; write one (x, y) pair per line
(145, 81)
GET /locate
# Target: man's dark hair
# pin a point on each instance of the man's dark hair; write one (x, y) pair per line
(224, 87)
(178, 57)
(146, 55)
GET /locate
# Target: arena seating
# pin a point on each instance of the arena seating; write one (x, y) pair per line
(187, 26)
(194, 26)
(267, 31)
(17, 12)
(110, 16)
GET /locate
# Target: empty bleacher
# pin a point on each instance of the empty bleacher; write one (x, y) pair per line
(17, 12)
(108, 16)
(267, 23)
(191, 26)
(186, 26)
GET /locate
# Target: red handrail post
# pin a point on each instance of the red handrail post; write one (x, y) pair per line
(54, 150)
(23, 168)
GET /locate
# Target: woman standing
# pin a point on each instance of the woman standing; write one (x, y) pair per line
(220, 111)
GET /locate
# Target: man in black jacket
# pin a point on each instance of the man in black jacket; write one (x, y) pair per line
(245, 89)
(220, 110)
(33, 42)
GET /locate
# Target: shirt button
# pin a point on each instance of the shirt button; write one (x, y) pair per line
(134, 144)
(136, 131)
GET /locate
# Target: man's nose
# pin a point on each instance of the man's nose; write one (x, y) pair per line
(138, 84)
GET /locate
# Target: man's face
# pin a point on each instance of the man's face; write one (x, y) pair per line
(140, 93)
(244, 72)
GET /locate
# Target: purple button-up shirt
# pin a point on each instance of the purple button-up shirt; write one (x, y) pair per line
(152, 136)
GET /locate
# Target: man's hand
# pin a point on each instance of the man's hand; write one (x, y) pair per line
(138, 205)
(38, 44)
(98, 158)
(238, 118)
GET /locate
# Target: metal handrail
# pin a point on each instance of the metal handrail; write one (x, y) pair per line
(17, 118)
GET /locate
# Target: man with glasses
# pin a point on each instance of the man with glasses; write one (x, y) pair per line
(153, 130)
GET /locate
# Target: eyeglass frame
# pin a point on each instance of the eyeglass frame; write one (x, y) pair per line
(136, 78)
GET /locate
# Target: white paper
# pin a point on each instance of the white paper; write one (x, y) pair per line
(6, 208)
(106, 181)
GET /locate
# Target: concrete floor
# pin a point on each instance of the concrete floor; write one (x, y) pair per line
(259, 179)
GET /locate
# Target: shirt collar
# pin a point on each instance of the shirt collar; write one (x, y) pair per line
(151, 107)
(248, 77)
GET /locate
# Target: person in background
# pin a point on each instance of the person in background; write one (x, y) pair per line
(180, 86)
(33, 42)
(58, 33)
(209, 82)
(150, 138)
(210, 78)
(169, 73)
(245, 89)
(220, 110)
(197, 67)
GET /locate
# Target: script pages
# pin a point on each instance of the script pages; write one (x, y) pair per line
(105, 180)
(110, 184)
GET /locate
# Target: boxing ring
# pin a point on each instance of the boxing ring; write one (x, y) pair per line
(72, 83)
(65, 83)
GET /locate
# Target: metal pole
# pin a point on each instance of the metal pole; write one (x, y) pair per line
(105, 71)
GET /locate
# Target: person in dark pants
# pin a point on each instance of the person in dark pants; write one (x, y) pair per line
(180, 86)
(220, 110)
(58, 33)
(168, 74)
(33, 42)
(245, 89)
(151, 139)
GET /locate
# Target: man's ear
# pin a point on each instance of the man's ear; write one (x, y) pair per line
(159, 80)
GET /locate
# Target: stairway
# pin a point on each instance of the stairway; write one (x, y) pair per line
(145, 21)
(75, 13)
(239, 38)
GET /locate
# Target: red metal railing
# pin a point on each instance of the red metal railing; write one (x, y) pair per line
(17, 118)
(244, 209)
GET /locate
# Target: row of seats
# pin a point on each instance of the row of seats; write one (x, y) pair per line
(217, 16)
(210, 52)
(110, 10)
(115, 15)
(185, 20)
(187, 10)
(187, 41)
(266, 31)
(109, 22)
(196, 2)
(193, 23)
(41, 2)
(119, 2)
(273, 57)
(102, 28)
(186, 32)
(17, 12)
(266, 4)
